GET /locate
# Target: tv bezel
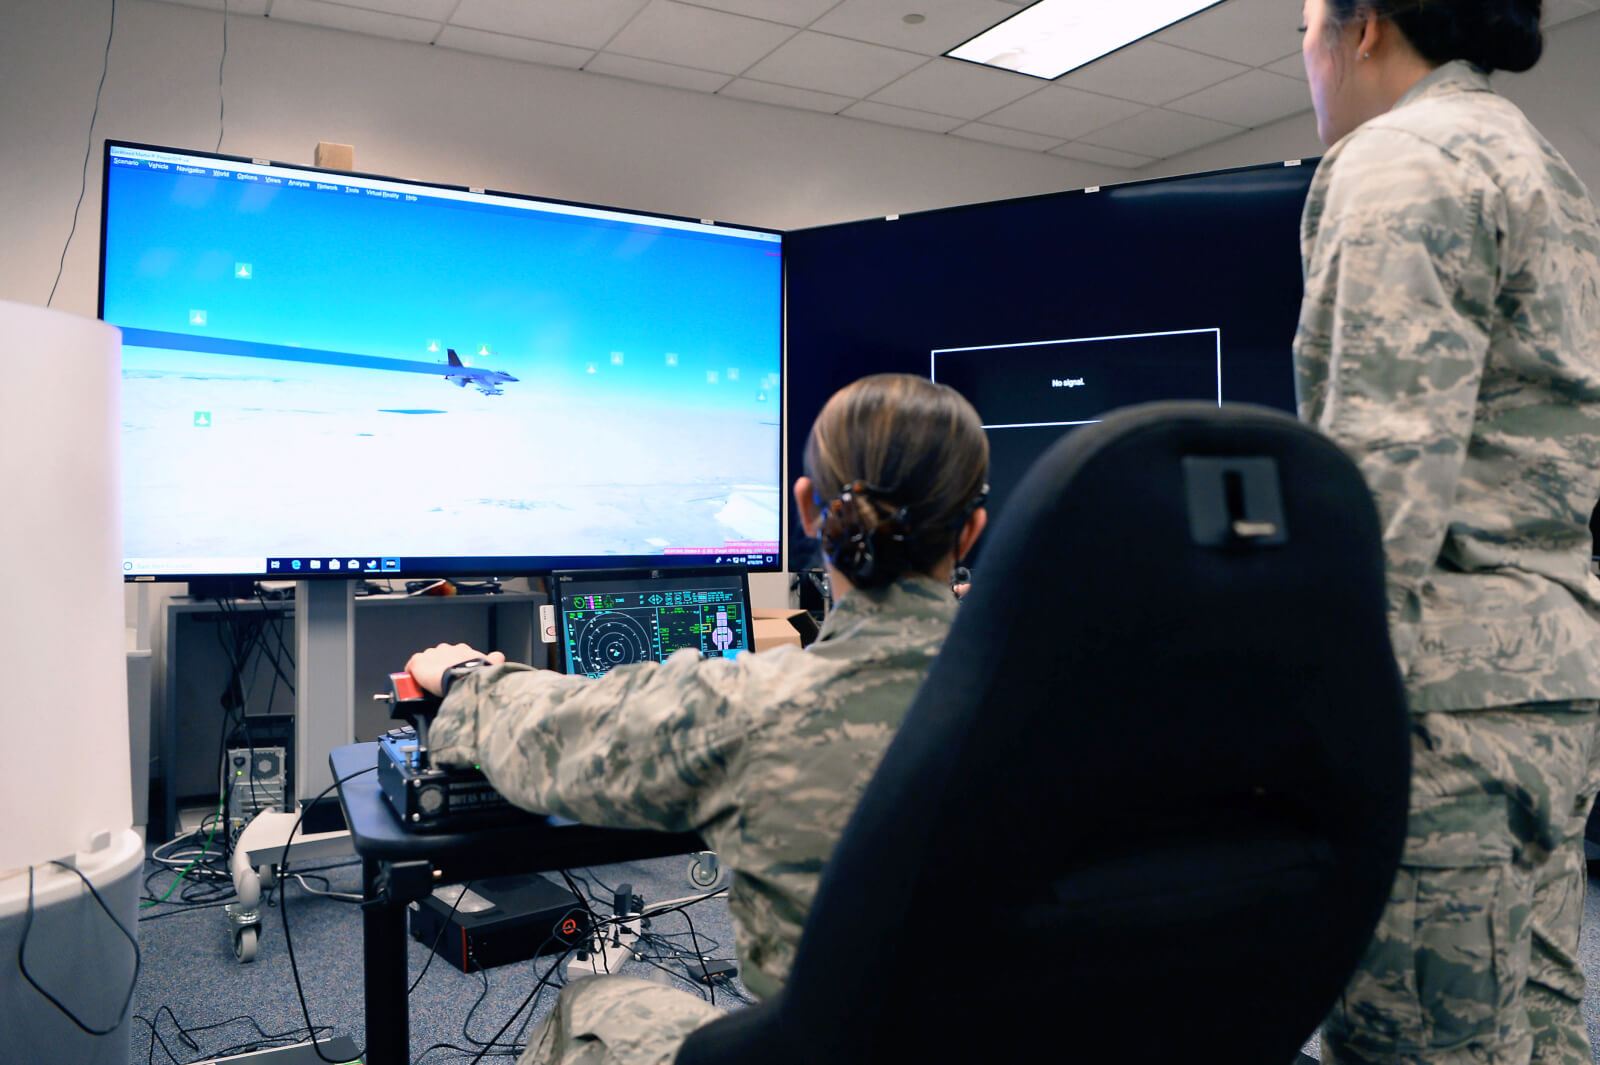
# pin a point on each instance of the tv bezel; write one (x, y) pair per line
(490, 565)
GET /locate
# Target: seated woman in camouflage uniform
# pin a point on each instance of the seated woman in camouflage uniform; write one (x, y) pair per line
(1450, 341)
(766, 755)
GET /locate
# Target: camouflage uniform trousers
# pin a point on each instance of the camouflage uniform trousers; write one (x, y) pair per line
(1475, 956)
(617, 1020)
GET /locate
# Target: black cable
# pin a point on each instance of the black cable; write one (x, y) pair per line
(694, 938)
(277, 630)
(283, 908)
(594, 918)
(443, 926)
(543, 980)
(463, 1051)
(466, 1023)
(155, 1037)
(554, 937)
(221, 99)
(182, 910)
(266, 1040)
(22, 946)
(87, 150)
(588, 889)
(277, 623)
(232, 696)
(591, 875)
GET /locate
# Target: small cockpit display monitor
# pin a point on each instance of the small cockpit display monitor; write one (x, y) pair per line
(611, 618)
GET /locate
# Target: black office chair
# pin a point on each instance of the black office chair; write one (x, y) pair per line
(1150, 800)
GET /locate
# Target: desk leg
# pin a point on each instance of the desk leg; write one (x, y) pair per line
(383, 933)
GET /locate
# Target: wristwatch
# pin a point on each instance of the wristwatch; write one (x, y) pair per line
(457, 671)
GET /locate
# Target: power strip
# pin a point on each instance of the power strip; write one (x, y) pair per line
(610, 958)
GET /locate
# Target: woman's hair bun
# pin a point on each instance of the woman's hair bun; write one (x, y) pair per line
(1491, 34)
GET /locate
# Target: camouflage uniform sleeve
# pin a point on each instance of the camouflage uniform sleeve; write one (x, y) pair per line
(1401, 263)
(646, 746)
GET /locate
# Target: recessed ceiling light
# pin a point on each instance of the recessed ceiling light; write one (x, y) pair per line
(914, 19)
(1052, 37)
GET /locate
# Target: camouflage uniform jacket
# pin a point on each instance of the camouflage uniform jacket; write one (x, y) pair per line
(765, 755)
(1450, 342)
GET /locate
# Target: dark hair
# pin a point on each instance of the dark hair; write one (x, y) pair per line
(1490, 34)
(898, 463)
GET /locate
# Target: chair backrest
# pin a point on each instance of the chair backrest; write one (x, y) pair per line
(1150, 798)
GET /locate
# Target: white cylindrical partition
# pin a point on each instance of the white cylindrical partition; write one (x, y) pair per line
(64, 760)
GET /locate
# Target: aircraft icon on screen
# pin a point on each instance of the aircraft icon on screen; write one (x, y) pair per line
(486, 381)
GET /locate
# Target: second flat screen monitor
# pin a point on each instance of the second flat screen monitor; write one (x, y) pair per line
(1049, 311)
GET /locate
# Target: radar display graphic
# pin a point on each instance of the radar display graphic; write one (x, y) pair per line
(604, 631)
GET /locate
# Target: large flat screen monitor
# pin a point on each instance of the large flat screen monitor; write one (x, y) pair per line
(1048, 311)
(330, 374)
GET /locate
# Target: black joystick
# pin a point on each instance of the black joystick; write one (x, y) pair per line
(416, 706)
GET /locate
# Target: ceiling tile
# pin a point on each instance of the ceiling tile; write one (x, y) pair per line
(1160, 134)
(235, 7)
(1088, 153)
(621, 66)
(833, 64)
(1291, 66)
(943, 23)
(508, 47)
(951, 87)
(789, 12)
(1011, 138)
(1252, 32)
(785, 96)
(1559, 11)
(1151, 73)
(435, 10)
(901, 116)
(1252, 99)
(698, 37)
(355, 19)
(1061, 112)
(589, 24)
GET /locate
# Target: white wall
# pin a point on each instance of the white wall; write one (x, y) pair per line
(1561, 96)
(432, 114)
(429, 113)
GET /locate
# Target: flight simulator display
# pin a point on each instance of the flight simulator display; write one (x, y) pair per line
(607, 619)
(330, 374)
(1049, 311)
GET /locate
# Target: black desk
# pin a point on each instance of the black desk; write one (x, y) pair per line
(398, 867)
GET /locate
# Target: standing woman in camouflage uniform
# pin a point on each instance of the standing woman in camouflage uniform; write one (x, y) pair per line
(766, 755)
(1450, 341)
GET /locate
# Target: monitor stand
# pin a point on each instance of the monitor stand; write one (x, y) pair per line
(324, 717)
(324, 663)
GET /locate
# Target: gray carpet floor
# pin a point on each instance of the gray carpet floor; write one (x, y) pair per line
(194, 1001)
(190, 982)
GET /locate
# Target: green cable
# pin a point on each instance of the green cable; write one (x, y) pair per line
(203, 848)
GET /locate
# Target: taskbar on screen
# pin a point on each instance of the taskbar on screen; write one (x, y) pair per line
(753, 556)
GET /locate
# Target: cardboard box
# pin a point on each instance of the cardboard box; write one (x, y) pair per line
(774, 627)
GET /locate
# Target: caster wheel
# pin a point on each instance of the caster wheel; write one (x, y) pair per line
(704, 870)
(245, 941)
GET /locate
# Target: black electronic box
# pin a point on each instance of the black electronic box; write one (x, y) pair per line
(503, 919)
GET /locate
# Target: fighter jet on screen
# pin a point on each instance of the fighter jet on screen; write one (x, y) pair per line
(486, 381)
